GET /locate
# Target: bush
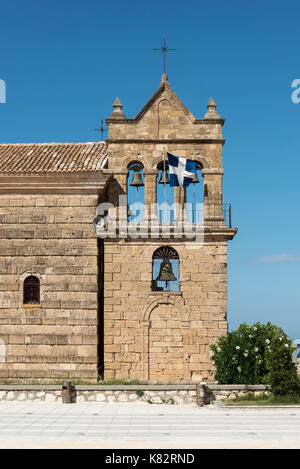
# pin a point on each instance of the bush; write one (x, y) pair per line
(258, 354)
(282, 372)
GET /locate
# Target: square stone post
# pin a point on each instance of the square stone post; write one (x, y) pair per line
(179, 198)
(150, 190)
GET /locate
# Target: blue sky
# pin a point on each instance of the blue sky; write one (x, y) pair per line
(64, 63)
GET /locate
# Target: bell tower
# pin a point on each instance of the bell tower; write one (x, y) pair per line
(165, 296)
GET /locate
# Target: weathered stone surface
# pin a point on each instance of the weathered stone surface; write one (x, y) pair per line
(147, 335)
(51, 340)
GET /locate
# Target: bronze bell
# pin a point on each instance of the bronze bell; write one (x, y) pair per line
(195, 178)
(166, 272)
(164, 178)
(137, 180)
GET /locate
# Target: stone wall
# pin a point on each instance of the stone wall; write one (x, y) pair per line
(147, 335)
(163, 336)
(109, 397)
(225, 392)
(151, 394)
(51, 237)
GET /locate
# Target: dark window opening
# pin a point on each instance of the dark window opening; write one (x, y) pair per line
(31, 292)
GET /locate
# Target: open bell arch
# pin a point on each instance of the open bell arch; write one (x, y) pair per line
(165, 269)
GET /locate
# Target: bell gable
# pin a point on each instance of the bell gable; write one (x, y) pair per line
(164, 117)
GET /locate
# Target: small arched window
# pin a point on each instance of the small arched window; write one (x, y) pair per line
(195, 197)
(165, 269)
(136, 192)
(164, 193)
(31, 290)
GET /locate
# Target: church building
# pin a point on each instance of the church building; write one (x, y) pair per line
(83, 297)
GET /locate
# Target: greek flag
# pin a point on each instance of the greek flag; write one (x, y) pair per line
(181, 170)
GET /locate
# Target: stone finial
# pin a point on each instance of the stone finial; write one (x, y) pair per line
(117, 112)
(212, 113)
(164, 80)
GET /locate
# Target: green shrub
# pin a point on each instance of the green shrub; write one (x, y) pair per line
(282, 372)
(247, 356)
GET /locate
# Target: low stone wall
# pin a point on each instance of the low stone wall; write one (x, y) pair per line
(42, 395)
(177, 394)
(152, 394)
(224, 392)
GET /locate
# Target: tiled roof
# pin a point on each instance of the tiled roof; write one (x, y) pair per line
(51, 157)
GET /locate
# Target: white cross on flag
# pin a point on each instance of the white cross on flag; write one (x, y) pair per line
(181, 170)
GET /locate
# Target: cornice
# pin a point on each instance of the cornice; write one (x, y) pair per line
(89, 183)
(220, 233)
(209, 234)
(220, 121)
(195, 141)
(212, 171)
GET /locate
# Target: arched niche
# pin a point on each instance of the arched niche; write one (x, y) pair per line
(135, 191)
(31, 290)
(165, 261)
(164, 308)
(195, 196)
(164, 193)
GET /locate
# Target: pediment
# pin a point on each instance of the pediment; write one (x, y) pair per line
(163, 116)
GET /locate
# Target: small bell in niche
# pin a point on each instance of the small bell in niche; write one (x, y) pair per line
(137, 180)
(164, 178)
(166, 272)
(195, 179)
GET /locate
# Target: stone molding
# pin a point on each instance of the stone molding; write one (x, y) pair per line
(216, 171)
(161, 141)
(62, 183)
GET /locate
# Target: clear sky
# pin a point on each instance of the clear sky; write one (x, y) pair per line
(64, 63)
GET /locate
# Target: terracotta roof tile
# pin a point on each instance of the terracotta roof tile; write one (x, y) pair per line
(51, 157)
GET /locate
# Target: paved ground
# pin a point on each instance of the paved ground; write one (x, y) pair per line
(140, 425)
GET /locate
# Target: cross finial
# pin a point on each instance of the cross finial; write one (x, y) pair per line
(164, 49)
(102, 130)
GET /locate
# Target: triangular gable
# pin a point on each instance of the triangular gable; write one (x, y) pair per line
(163, 116)
(166, 92)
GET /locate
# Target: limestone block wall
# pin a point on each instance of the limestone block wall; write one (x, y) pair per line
(52, 237)
(150, 154)
(162, 336)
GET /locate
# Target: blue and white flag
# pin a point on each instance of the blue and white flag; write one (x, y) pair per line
(181, 170)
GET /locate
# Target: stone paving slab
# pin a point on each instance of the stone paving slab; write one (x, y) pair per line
(139, 425)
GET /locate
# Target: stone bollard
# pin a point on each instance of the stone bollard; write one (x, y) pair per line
(201, 394)
(67, 392)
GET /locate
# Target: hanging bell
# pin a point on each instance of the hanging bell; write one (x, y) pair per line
(164, 178)
(137, 180)
(195, 178)
(166, 272)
